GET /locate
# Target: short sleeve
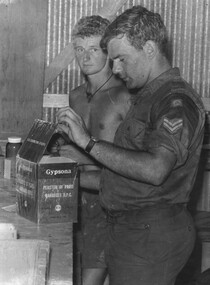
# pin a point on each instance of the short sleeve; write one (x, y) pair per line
(173, 124)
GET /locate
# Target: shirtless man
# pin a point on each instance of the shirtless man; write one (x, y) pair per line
(102, 101)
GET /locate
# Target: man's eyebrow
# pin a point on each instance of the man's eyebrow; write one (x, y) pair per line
(76, 47)
(116, 56)
(95, 46)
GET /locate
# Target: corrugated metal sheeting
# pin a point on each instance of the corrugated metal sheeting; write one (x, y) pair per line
(188, 25)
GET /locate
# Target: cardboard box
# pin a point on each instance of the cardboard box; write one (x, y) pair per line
(46, 186)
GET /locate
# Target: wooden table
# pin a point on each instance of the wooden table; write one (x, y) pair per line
(59, 236)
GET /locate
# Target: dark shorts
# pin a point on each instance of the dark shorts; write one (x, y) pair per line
(94, 232)
(149, 247)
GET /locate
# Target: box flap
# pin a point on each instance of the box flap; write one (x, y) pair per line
(56, 159)
(37, 140)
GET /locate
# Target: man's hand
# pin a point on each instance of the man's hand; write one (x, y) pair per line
(70, 151)
(55, 143)
(73, 125)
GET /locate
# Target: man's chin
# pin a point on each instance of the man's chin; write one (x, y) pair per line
(86, 71)
(89, 72)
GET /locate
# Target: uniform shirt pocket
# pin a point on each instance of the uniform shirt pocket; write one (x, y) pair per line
(130, 134)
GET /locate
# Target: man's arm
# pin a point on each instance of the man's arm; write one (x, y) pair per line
(149, 167)
(77, 154)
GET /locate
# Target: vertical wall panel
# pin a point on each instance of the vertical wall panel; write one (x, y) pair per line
(188, 26)
(22, 55)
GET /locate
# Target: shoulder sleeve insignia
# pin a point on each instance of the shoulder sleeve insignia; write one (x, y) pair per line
(172, 125)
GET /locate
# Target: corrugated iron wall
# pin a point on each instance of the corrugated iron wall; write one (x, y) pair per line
(188, 25)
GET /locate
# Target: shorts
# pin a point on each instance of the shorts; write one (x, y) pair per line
(147, 248)
(94, 232)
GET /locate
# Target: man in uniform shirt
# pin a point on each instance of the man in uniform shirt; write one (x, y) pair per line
(102, 101)
(150, 169)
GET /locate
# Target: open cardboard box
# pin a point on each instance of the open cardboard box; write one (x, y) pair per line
(46, 186)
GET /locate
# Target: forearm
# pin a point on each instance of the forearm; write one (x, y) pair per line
(147, 167)
(74, 152)
(87, 160)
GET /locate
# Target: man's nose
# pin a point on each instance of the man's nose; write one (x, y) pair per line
(86, 55)
(116, 68)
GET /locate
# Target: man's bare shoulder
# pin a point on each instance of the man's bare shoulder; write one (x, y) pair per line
(120, 94)
(118, 88)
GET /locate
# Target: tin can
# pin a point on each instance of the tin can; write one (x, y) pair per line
(12, 147)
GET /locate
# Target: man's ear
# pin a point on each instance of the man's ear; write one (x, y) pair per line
(150, 48)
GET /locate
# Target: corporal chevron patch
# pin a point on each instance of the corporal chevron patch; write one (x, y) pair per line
(172, 125)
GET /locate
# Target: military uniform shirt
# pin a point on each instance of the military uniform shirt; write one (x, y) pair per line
(167, 113)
